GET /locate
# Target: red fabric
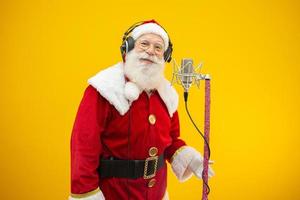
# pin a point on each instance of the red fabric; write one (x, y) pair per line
(99, 130)
(151, 21)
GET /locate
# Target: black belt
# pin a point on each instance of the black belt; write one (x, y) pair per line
(130, 168)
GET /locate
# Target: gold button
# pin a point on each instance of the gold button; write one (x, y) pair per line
(152, 119)
(153, 151)
(151, 183)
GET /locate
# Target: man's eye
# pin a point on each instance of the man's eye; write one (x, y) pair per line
(144, 44)
(158, 48)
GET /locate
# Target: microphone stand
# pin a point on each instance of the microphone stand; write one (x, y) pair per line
(193, 77)
(206, 155)
(206, 135)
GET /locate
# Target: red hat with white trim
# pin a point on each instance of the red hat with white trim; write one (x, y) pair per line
(151, 26)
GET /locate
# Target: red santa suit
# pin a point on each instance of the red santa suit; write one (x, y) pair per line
(107, 124)
(116, 119)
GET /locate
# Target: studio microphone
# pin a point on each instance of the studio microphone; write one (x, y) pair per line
(187, 75)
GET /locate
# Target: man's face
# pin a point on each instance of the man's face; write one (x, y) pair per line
(145, 63)
(151, 44)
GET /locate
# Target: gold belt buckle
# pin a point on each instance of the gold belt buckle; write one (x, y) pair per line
(155, 158)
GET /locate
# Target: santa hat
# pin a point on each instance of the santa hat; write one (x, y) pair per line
(151, 26)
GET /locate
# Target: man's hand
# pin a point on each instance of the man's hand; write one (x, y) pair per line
(196, 165)
(188, 161)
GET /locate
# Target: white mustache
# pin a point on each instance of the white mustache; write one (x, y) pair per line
(145, 76)
(148, 59)
(144, 56)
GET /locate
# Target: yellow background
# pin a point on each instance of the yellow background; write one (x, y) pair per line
(48, 50)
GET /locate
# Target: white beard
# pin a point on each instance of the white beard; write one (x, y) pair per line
(145, 76)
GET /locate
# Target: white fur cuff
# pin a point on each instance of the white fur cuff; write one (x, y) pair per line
(166, 196)
(181, 161)
(95, 196)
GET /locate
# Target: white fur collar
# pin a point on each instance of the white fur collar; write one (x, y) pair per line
(110, 83)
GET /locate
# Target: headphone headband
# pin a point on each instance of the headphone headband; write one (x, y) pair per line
(130, 29)
(128, 41)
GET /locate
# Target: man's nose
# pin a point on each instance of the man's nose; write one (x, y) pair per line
(150, 50)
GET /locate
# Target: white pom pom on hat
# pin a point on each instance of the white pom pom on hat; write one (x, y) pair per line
(151, 26)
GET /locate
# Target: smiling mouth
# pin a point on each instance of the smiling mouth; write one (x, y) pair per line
(147, 60)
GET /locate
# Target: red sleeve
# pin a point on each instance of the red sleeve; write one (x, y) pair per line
(85, 141)
(176, 141)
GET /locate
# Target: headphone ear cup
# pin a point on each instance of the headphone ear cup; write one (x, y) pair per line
(127, 46)
(130, 43)
(123, 48)
(167, 54)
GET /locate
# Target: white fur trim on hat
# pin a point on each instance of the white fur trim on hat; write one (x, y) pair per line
(151, 28)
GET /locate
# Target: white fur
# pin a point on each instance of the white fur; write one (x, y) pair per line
(169, 96)
(166, 196)
(146, 76)
(151, 28)
(96, 196)
(110, 83)
(132, 91)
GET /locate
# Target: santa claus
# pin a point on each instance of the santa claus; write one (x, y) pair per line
(127, 126)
